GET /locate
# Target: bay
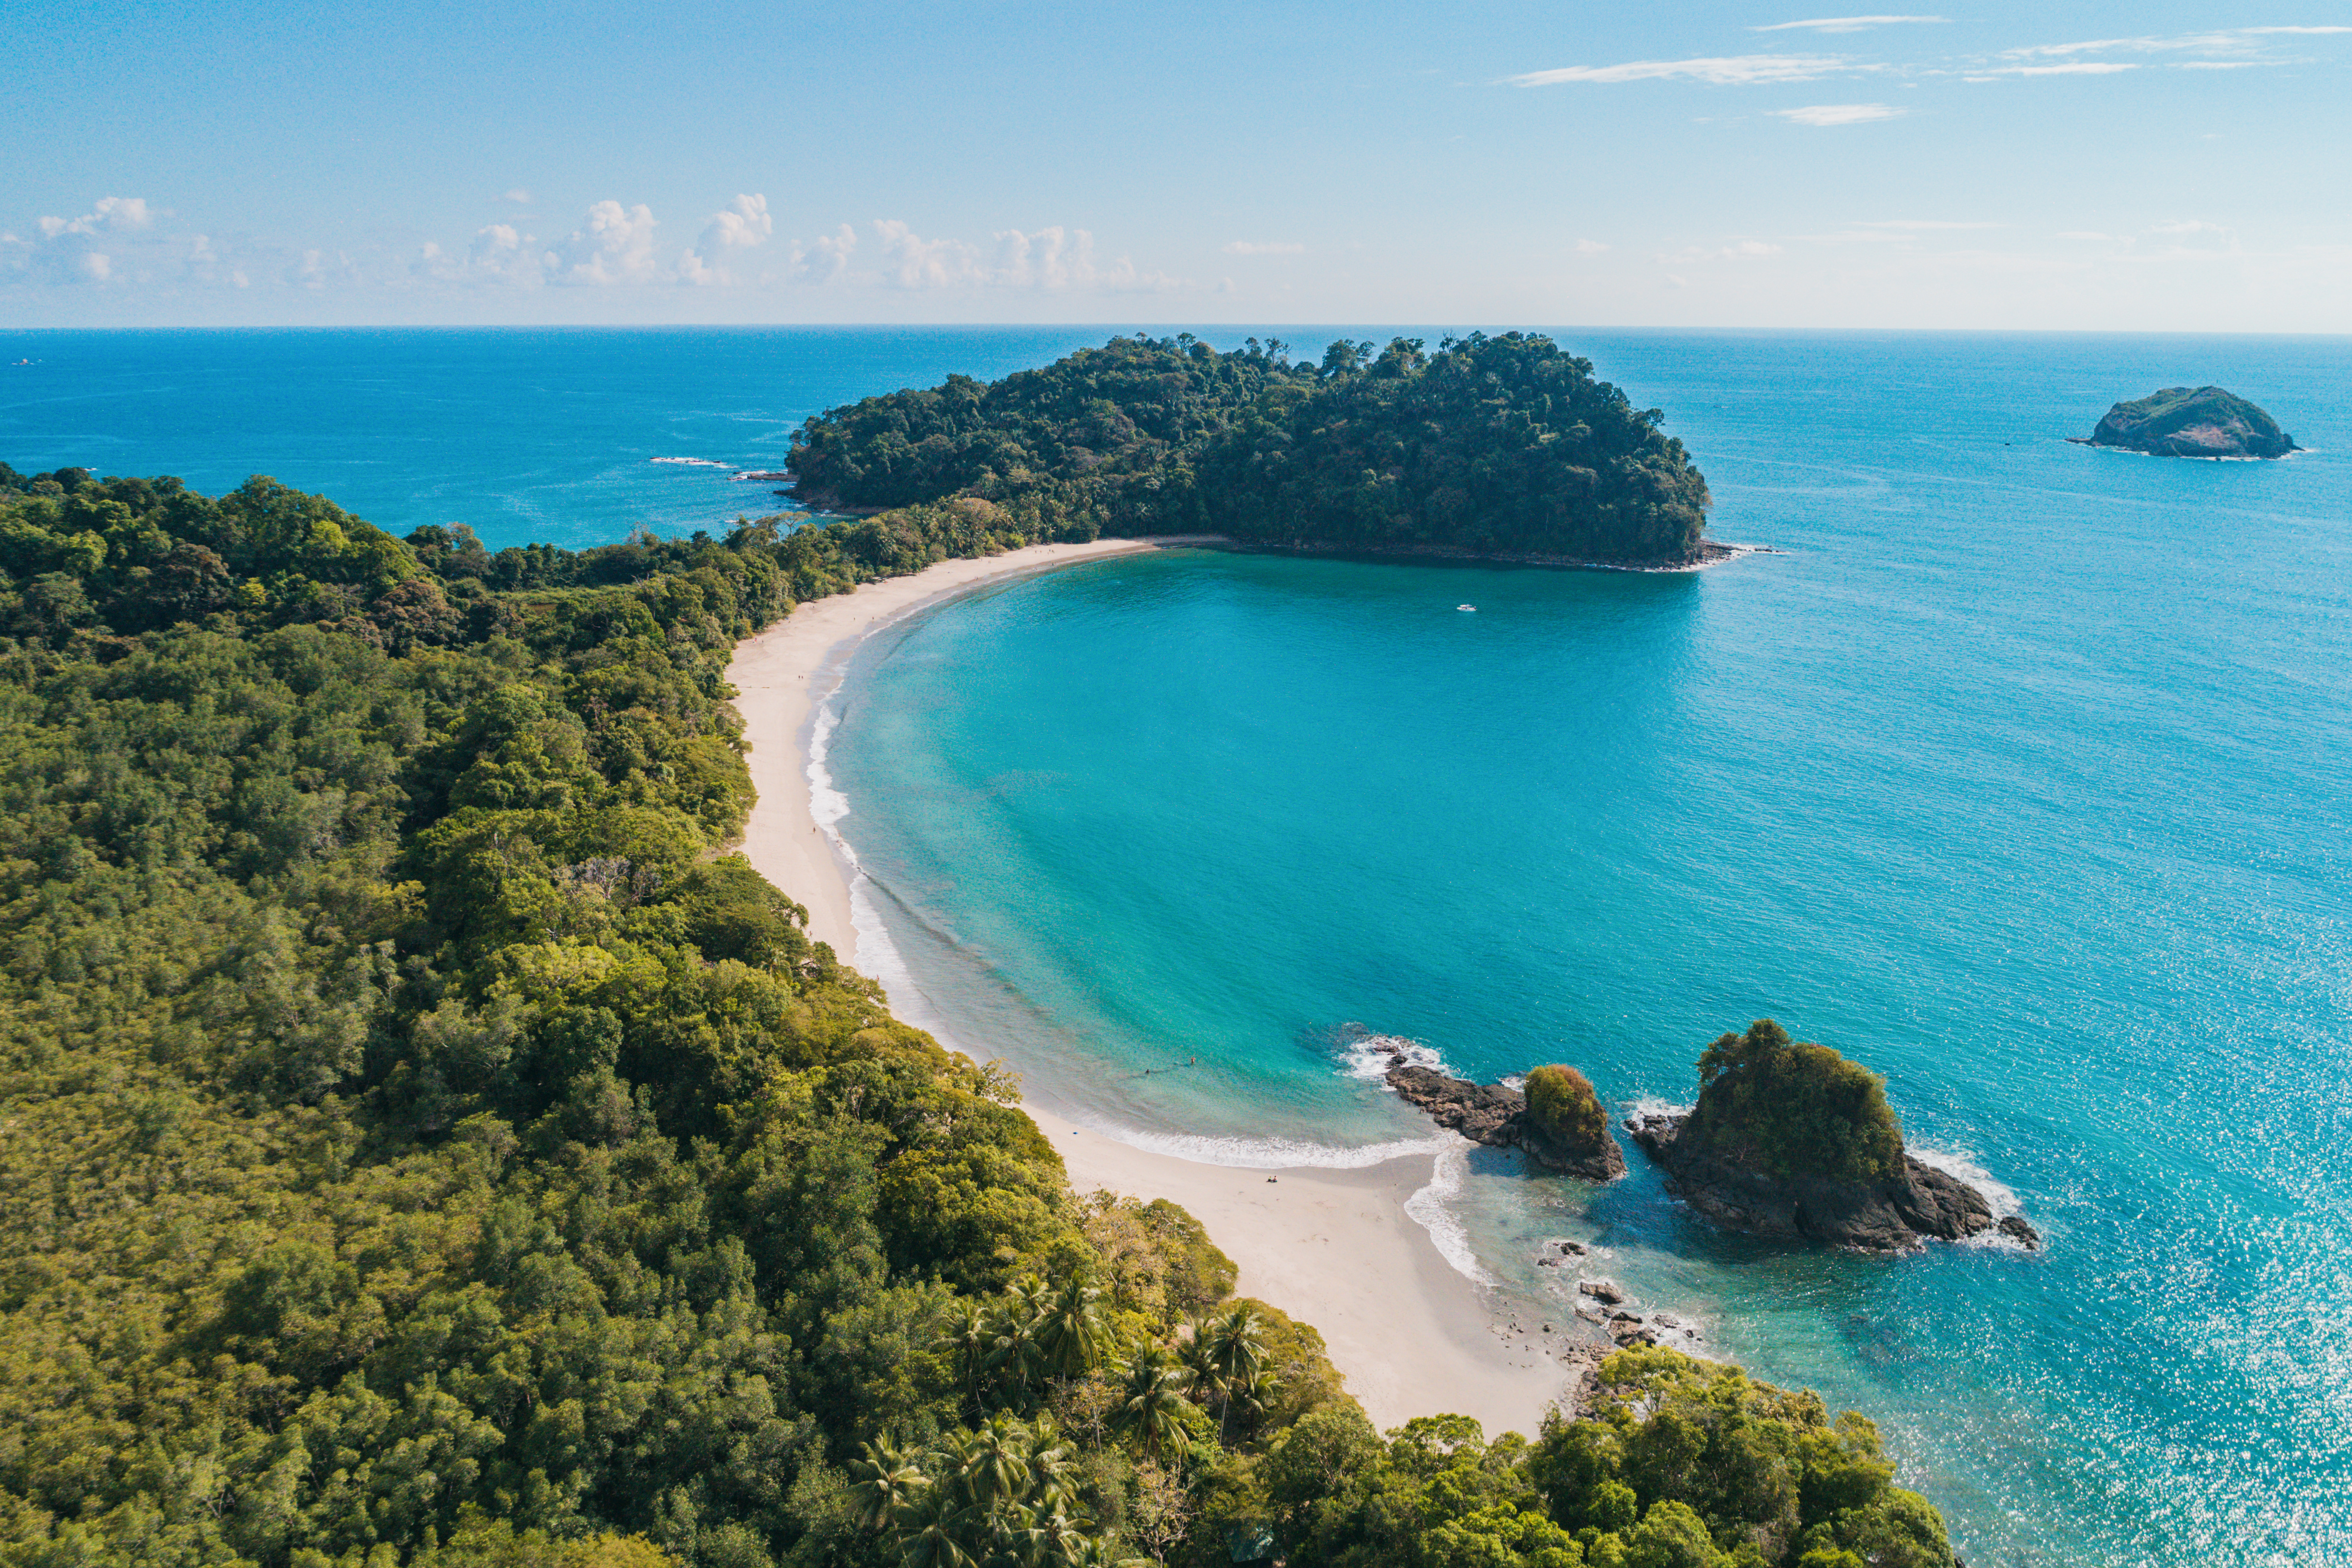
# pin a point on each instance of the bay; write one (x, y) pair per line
(2021, 775)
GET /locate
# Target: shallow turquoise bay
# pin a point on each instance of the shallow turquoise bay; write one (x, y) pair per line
(2021, 775)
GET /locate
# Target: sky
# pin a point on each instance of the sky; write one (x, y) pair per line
(2134, 167)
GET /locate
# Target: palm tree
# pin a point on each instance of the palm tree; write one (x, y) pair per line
(886, 1484)
(937, 1539)
(995, 1471)
(1231, 1354)
(1052, 1465)
(970, 1339)
(1015, 1349)
(1153, 1408)
(1071, 1333)
(1237, 1346)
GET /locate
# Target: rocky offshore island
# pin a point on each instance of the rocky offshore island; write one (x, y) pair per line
(1790, 1140)
(2186, 422)
(1557, 1120)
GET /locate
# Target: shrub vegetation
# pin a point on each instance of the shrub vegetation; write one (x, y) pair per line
(428, 1148)
(1795, 1109)
(1563, 1101)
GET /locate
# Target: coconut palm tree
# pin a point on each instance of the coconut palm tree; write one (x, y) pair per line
(1015, 1351)
(970, 1341)
(995, 1471)
(1236, 1346)
(1072, 1334)
(1154, 1407)
(1228, 1355)
(886, 1484)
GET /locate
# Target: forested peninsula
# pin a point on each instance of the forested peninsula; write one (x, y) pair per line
(425, 1146)
(1492, 445)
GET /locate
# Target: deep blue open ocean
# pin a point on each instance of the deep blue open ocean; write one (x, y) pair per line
(2021, 773)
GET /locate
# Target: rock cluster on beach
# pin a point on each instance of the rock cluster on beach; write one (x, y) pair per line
(1891, 1216)
(1491, 1114)
(2191, 422)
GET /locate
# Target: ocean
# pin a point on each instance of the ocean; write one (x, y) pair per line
(2019, 772)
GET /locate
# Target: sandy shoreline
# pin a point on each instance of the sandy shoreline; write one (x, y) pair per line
(1332, 1247)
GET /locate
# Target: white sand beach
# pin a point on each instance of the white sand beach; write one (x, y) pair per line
(1332, 1247)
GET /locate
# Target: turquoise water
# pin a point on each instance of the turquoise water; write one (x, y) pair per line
(2021, 775)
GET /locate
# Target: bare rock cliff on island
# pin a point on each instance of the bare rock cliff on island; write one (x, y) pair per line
(2191, 422)
(1500, 1118)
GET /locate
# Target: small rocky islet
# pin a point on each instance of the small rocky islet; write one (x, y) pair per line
(1788, 1141)
(1557, 1122)
(2191, 422)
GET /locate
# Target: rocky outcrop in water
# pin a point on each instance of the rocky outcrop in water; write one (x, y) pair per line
(1891, 1216)
(1497, 1117)
(2191, 422)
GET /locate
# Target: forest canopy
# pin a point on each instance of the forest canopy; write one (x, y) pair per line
(428, 1147)
(1490, 444)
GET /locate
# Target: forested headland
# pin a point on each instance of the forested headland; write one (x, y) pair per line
(1495, 445)
(425, 1144)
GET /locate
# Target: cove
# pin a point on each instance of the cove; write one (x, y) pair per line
(2019, 778)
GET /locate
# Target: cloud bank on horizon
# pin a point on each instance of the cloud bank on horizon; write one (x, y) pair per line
(1708, 168)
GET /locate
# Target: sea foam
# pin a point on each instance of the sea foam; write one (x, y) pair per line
(1367, 1055)
(1432, 1209)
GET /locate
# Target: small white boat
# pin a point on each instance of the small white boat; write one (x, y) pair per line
(1472, 609)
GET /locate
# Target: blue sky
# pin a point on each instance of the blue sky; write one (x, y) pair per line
(2093, 166)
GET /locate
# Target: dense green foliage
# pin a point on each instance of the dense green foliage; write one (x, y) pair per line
(1682, 1465)
(426, 1146)
(1797, 1110)
(1491, 445)
(1563, 1104)
(1100, 442)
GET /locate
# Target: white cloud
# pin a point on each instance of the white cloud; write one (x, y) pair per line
(910, 261)
(1839, 113)
(112, 215)
(518, 196)
(89, 248)
(318, 270)
(2074, 67)
(825, 257)
(614, 245)
(1058, 259)
(207, 264)
(1050, 258)
(1726, 71)
(2221, 41)
(1843, 24)
(744, 226)
(1912, 223)
(500, 253)
(1263, 247)
(1590, 248)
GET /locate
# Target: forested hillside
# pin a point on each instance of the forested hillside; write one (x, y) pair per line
(425, 1144)
(1498, 445)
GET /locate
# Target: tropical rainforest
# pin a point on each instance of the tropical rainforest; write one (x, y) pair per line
(1490, 445)
(426, 1146)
